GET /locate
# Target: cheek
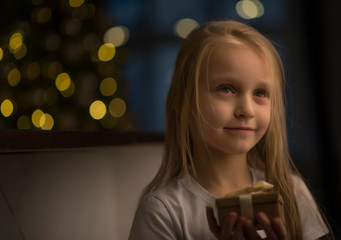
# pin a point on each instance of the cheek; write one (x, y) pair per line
(214, 114)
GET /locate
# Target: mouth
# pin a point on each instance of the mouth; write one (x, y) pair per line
(240, 130)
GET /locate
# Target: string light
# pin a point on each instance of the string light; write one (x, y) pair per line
(14, 77)
(185, 26)
(69, 91)
(15, 42)
(1, 54)
(21, 53)
(36, 115)
(46, 122)
(24, 122)
(63, 81)
(76, 3)
(249, 9)
(106, 52)
(7, 108)
(108, 86)
(117, 36)
(97, 110)
(117, 107)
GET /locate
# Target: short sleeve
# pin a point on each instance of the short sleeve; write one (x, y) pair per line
(313, 226)
(152, 221)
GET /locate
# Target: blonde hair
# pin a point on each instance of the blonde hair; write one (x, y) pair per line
(270, 154)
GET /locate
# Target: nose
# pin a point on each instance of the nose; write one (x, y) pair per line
(244, 107)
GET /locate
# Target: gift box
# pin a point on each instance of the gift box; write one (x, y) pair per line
(249, 201)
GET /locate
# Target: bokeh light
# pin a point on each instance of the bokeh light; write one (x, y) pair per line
(108, 86)
(33, 70)
(21, 52)
(97, 110)
(7, 108)
(36, 115)
(46, 122)
(117, 36)
(63, 81)
(76, 3)
(41, 15)
(54, 69)
(185, 26)
(24, 122)
(249, 9)
(69, 91)
(117, 107)
(14, 77)
(1, 54)
(106, 52)
(109, 121)
(15, 42)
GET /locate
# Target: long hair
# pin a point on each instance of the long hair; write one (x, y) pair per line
(270, 154)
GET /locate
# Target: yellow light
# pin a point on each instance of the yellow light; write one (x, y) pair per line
(106, 52)
(21, 52)
(63, 81)
(249, 9)
(36, 116)
(118, 35)
(117, 107)
(54, 69)
(15, 42)
(24, 122)
(69, 91)
(33, 70)
(185, 26)
(97, 110)
(46, 122)
(1, 54)
(108, 86)
(109, 121)
(14, 77)
(76, 3)
(43, 15)
(7, 108)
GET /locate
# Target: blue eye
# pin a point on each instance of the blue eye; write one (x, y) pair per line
(260, 94)
(226, 90)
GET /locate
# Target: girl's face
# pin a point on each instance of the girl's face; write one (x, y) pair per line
(235, 102)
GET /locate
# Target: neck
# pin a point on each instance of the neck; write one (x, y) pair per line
(221, 173)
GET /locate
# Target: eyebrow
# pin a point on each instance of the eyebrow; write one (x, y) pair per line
(235, 81)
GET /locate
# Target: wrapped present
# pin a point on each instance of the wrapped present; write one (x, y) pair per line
(247, 202)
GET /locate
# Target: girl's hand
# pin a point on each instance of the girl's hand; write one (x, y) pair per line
(242, 228)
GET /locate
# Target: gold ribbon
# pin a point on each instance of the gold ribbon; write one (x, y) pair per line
(260, 186)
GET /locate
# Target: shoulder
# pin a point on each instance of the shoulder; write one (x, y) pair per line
(313, 225)
(153, 218)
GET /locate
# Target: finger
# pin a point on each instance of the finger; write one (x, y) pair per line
(249, 229)
(228, 226)
(238, 230)
(279, 228)
(266, 224)
(212, 222)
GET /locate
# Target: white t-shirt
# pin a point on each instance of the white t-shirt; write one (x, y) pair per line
(178, 211)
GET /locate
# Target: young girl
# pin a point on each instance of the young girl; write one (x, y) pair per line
(226, 130)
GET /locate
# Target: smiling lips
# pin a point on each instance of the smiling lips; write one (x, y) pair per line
(240, 130)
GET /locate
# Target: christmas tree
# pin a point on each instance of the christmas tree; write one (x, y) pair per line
(60, 67)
